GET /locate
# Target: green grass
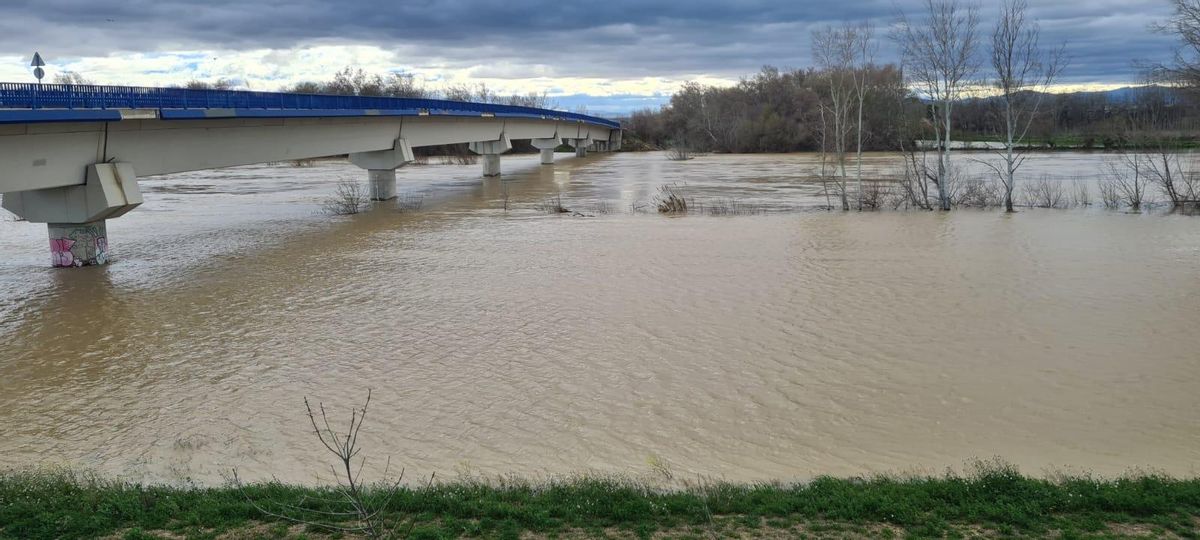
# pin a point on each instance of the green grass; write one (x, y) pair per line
(995, 500)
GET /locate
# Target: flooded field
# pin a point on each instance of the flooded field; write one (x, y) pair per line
(499, 338)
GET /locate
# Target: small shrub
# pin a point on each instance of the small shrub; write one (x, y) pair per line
(552, 205)
(1110, 194)
(978, 193)
(730, 207)
(350, 198)
(1044, 193)
(1081, 193)
(669, 200)
(678, 152)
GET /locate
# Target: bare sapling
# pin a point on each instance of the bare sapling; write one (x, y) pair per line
(359, 509)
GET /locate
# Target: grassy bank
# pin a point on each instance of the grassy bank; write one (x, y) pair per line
(994, 501)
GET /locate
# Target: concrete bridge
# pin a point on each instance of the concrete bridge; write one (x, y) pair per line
(70, 155)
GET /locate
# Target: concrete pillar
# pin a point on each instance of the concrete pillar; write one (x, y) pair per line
(381, 168)
(78, 244)
(491, 165)
(581, 146)
(75, 215)
(491, 150)
(383, 184)
(547, 147)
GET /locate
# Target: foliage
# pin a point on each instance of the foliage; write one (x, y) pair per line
(773, 111)
(992, 496)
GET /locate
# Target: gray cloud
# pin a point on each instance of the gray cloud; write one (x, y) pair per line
(610, 39)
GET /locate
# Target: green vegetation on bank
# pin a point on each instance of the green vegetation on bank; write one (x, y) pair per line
(994, 501)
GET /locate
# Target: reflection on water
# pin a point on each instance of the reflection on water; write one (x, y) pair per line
(782, 345)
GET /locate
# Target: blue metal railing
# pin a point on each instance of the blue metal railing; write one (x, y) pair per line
(89, 96)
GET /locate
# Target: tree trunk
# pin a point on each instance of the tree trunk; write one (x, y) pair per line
(858, 173)
(944, 163)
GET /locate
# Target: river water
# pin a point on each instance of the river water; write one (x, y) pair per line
(781, 345)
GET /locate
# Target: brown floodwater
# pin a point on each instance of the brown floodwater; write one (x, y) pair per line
(781, 345)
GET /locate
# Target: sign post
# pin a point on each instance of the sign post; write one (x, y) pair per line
(38, 72)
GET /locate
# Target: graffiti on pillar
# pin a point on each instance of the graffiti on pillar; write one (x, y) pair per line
(60, 252)
(78, 245)
(101, 249)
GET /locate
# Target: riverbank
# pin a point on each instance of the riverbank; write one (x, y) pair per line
(993, 501)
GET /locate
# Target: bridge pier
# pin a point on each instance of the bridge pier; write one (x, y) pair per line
(491, 150)
(381, 168)
(75, 215)
(547, 147)
(382, 184)
(491, 165)
(581, 146)
(78, 244)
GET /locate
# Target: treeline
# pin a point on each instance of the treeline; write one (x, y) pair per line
(772, 111)
(1096, 119)
(779, 111)
(351, 81)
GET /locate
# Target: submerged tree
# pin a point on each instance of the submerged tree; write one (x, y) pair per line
(1024, 73)
(939, 56)
(833, 49)
(862, 41)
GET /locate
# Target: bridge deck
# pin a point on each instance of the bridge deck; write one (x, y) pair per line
(32, 103)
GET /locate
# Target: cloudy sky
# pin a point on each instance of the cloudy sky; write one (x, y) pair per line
(610, 55)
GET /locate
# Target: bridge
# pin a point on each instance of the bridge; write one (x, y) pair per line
(70, 155)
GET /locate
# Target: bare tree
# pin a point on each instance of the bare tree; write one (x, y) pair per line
(863, 47)
(825, 159)
(1163, 166)
(833, 50)
(1023, 74)
(1125, 179)
(1185, 23)
(219, 84)
(71, 77)
(939, 56)
(1152, 130)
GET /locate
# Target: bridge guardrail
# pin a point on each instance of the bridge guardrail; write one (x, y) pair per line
(87, 96)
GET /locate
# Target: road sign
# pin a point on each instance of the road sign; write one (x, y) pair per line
(37, 60)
